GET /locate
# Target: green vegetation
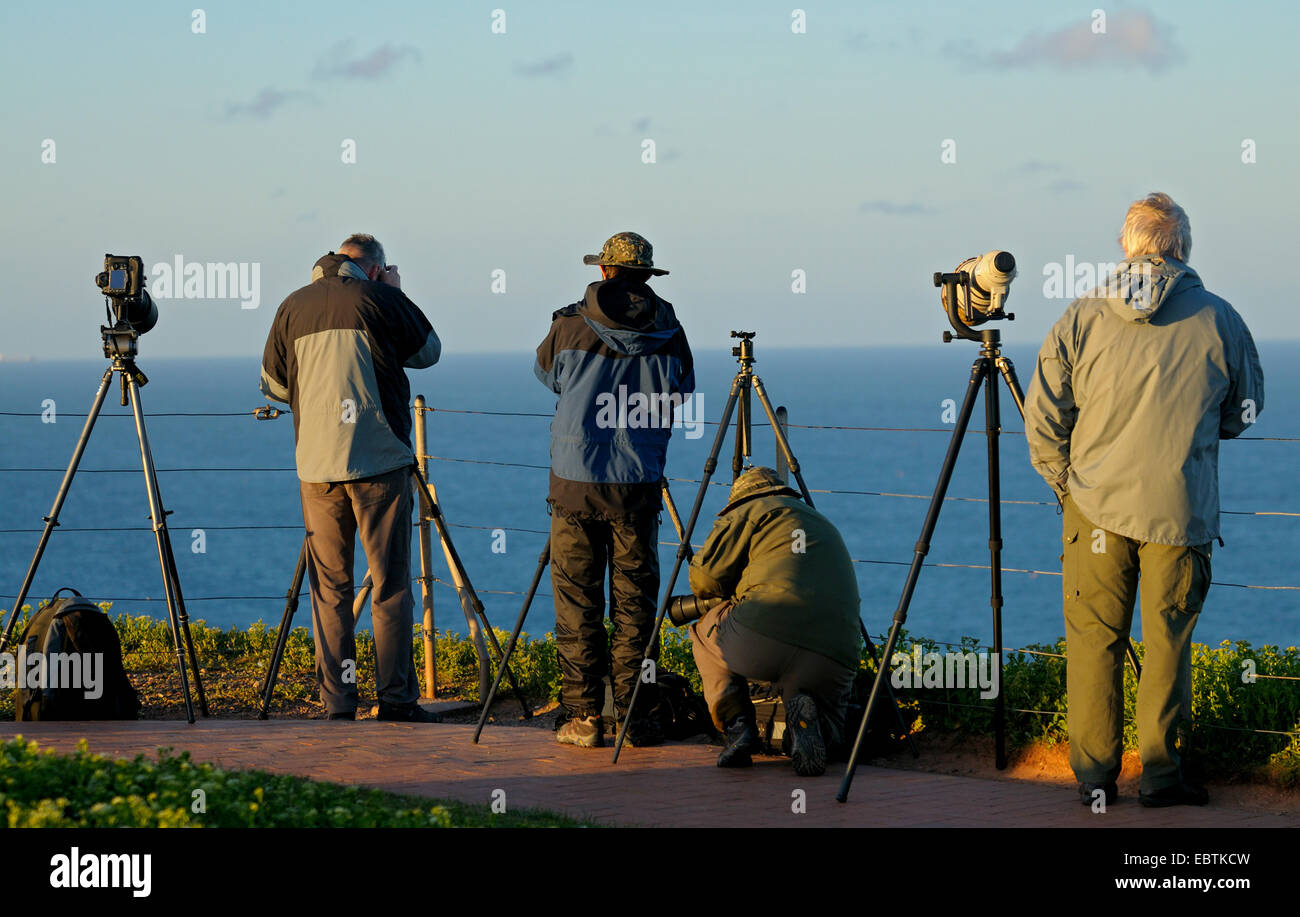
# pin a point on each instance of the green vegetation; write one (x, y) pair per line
(1224, 705)
(42, 789)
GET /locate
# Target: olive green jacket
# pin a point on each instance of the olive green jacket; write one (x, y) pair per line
(1135, 386)
(790, 574)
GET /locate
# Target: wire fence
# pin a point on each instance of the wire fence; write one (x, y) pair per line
(262, 413)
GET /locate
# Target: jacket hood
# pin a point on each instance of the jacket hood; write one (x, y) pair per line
(1140, 286)
(629, 317)
(332, 265)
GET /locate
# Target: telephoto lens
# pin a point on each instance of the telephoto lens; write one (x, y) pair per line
(683, 609)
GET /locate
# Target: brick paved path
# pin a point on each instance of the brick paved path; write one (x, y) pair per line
(673, 785)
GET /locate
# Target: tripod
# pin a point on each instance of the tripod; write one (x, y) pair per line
(120, 346)
(738, 401)
(984, 373)
(469, 599)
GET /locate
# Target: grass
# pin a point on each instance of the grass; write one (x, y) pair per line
(43, 789)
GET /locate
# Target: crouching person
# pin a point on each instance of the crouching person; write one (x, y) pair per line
(788, 615)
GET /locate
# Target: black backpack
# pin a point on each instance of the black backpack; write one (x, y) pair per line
(683, 713)
(74, 627)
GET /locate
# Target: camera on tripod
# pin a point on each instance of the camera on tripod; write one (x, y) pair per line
(122, 282)
(985, 282)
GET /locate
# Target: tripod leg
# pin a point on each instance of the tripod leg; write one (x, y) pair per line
(542, 561)
(1008, 370)
(182, 615)
(993, 429)
(978, 373)
(282, 636)
(782, 442)
(465, 588)
(53, 518)
(683, 549)
(163, 541)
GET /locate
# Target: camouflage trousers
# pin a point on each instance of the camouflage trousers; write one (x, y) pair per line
(1103, 573)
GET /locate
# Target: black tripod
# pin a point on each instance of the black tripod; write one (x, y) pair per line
(744, 382)
(469, 599)
(120, 346)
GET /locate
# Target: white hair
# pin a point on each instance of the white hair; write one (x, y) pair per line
(1156, 225)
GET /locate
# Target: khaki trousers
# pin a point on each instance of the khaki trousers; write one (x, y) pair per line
(377, 508)
(1102, 575)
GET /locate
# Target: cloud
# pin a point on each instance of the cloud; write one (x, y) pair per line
(1066, 185)
(1131, 39)
(642, 124)
(339, 62)
(264, 104)
(547, 66)
(894, 208)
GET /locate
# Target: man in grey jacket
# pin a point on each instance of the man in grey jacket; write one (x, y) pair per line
(1135, 386)
(337, 353)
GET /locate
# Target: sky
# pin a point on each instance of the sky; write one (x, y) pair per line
(859, 146)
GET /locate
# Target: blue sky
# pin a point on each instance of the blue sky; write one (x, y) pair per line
(522, 151)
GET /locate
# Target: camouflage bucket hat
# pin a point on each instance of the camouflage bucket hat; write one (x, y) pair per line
(626, 249)
(756, 482)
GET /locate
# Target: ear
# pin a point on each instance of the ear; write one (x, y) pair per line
(373, 271)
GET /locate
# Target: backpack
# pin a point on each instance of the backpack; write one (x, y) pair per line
(682, 712)
(78, 630)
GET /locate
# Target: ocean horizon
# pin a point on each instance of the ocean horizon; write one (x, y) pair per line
(236, 523)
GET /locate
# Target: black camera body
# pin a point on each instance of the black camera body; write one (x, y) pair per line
(123, 276)
(122, 281)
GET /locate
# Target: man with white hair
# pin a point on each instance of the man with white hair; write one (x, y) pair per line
(1135, 386)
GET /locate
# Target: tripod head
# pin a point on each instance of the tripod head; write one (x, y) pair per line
(121, 344)
(744, 351)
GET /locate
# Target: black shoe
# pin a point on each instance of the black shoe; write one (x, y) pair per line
(742, 742)
(807, 747)
(344, 715)
(1086, 791)
(407, 713)
(1180, 794)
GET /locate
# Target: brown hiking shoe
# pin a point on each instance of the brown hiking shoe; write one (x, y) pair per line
(583, 731)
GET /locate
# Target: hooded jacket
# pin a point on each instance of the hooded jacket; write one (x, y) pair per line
(619, 362)
(806, 598)
(336, 355)
(1135, 386)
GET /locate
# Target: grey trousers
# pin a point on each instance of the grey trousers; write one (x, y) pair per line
(728, 654)
(377, 508)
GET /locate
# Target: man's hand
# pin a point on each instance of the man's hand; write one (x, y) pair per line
(390, 276)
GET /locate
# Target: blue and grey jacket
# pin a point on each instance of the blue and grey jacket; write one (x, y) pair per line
(336, 354)
(620, 362)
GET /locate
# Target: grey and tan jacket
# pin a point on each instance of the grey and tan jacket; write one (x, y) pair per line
(1135, 386)
(337, 354)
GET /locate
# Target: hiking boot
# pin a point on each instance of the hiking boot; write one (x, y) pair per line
(583, 731)
(1180, 794)
(343, 715)
(1086, 791)
(406, 713)
(742, 742)
(807, 747)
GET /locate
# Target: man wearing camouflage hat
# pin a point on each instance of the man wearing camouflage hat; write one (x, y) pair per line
(789, 616)
(620, 344)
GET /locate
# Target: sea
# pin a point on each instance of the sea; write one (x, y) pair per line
(868, 427)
